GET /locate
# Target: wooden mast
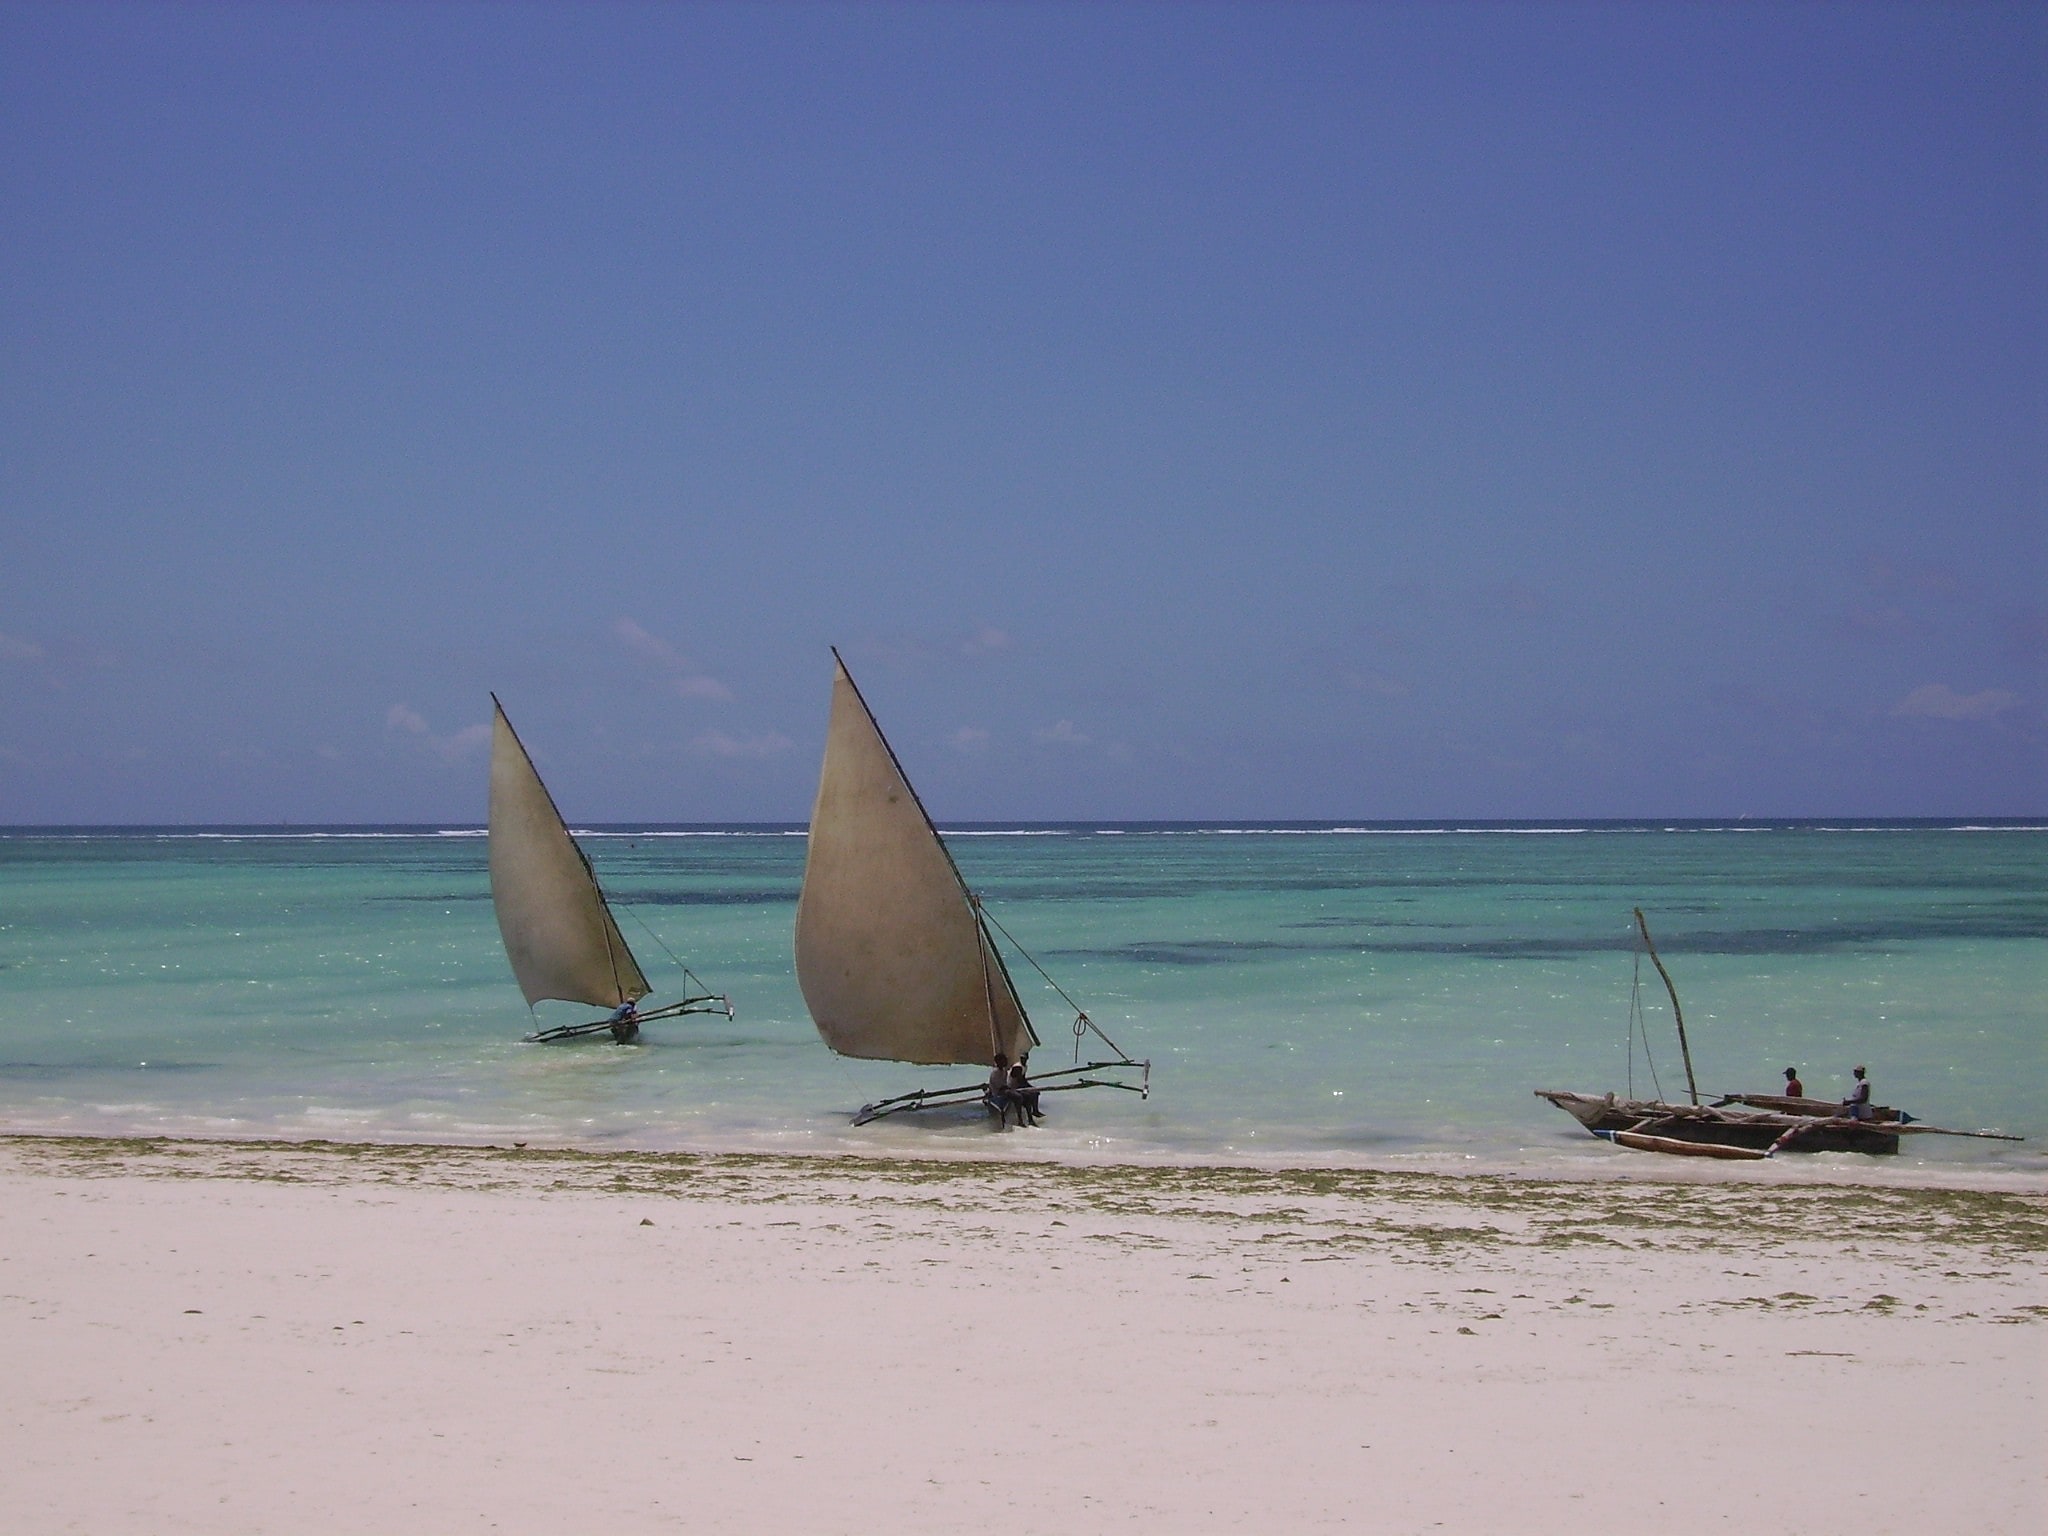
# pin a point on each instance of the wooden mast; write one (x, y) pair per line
(1691, 1085)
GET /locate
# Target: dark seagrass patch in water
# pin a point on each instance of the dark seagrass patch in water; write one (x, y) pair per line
(1835, 938)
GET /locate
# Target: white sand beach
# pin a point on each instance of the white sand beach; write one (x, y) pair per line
(272, 1338)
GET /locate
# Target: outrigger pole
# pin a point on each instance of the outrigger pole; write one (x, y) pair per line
(709, 1003)
(936, 1098)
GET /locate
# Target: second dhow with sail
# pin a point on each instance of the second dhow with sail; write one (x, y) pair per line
(558, 929)
(893, 952)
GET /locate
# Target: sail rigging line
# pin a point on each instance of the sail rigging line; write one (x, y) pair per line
(1082, 1023)
(988, 986)
(691, 976)
(989, 952)
(1639, 1024)
(982, 920)
(609, 953)
(1635, 993)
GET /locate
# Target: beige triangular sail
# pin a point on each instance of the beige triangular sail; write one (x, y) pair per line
(559, 934)
(891, 953)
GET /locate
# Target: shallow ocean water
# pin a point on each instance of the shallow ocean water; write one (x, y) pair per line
(1385, 995)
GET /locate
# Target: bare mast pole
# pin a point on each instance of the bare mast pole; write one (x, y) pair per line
(1691, 1085)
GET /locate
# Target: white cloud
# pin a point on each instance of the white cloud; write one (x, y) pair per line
(1938, 701)
(684, 678)
(969, 738)
(888, 650)
(14, 649)
(404, 718)
(983, 641)
(1063, 733)
(720, 744)
(907, 650)
(641, 643)
(470, 738)
(700, 687)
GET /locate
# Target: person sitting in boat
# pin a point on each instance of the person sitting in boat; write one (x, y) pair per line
(625, 1022)
(997, 1094)
(1022, 1094)
(1857, 1105)
(1794, 1088)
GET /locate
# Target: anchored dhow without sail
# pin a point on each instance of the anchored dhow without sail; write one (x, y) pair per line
(893, 952)
(559, 932)
(1736, 1125)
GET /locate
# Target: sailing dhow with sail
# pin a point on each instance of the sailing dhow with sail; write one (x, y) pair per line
(559, 932)
(894, 954)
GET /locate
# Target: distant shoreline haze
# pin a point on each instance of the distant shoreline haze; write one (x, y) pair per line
(1216, 825)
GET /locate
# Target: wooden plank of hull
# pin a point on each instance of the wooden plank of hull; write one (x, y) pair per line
(1597, 1113)
(1816, 1109)
(1842, 1136)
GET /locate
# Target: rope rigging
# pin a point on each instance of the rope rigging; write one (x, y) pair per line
(1639, 1024)
(1083, 1025)
(695, 980)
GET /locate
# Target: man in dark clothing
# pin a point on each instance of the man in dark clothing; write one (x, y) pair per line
(1023, 1095)
(625, 1022)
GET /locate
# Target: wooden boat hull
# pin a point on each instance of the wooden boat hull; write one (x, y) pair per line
(1708, 1125)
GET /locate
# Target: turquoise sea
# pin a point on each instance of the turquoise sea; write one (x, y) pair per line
(1370, 994)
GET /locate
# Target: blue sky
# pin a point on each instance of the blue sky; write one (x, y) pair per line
(1333, 411)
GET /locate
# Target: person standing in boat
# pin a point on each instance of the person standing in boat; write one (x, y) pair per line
(1794, 1088)
(625, 1022)
(1857, 1105)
